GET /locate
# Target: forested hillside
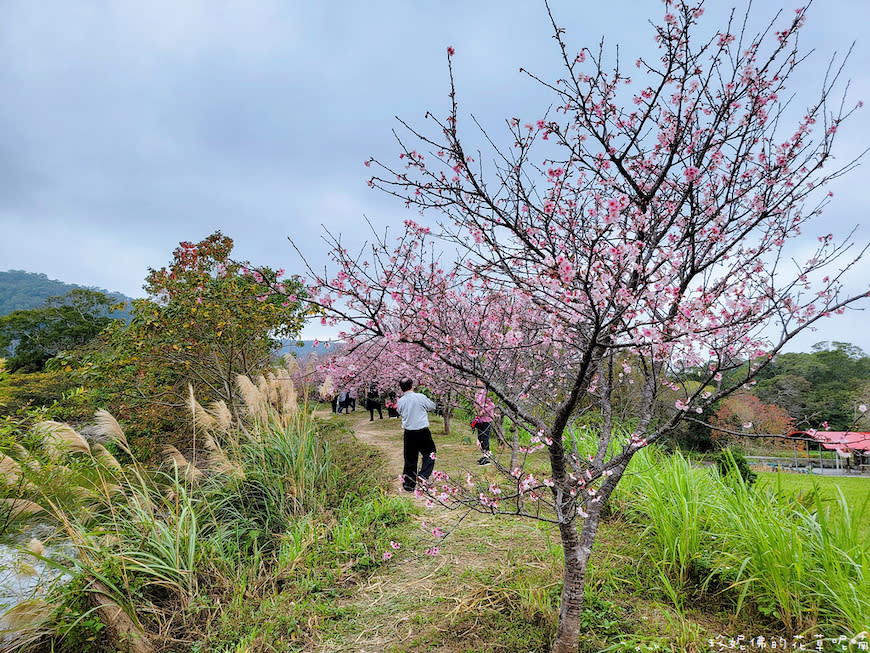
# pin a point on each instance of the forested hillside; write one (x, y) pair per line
(20, 290)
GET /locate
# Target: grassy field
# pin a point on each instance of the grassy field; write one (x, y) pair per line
(856, 491)
(495, 584)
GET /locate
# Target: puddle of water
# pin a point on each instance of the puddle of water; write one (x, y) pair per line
(24, 576)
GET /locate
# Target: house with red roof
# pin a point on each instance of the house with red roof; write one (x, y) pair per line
(854, 445)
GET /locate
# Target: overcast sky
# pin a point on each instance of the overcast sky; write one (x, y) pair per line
(126, 127)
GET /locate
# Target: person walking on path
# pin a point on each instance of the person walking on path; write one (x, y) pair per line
(417, 438)
(484, 410)
(373, 402)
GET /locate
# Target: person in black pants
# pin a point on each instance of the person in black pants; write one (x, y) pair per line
(390, 403)
(417, 438)
(373, 402)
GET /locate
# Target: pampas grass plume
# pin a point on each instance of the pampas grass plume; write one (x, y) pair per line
(248, 391)
(223, 416)
(24, 615)
(108, 427)
(18, 507)
(59, 438)
(252, 397)
(10, 471)
(176, 458)
(103, 456)
(36, 547)
(201, 418)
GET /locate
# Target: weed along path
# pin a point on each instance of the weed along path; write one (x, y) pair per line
(493, 585)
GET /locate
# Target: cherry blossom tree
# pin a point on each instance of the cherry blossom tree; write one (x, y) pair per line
(640, 227)
(369, 360)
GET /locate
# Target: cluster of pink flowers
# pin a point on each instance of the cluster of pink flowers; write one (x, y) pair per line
(528, 483)
(387, 554)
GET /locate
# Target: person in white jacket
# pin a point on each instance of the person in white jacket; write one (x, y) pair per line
(413, 407)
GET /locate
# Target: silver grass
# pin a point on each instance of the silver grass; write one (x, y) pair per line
(209, 444)
(61, 438)
(174, 457)
(18, 507)
(108, 427)
(35, 547)
(104, 457)
(262, 385)
(219, 462)
(24, 616)
(10, 471)
(327, 389)
(288, 401)
(24, 568)
(248, 392)
(223, 416)
(201, 419)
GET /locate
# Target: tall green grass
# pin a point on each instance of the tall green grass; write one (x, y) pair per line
(670, 496)
(796, 561)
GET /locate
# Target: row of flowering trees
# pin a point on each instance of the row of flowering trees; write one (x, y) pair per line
(639, 228)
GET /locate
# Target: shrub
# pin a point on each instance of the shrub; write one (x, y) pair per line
(732, 460)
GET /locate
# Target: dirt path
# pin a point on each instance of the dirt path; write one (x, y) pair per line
(418, 602)
(386, 435)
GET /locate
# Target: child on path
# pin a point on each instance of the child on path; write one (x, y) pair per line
(485, 414)
(390, 403)
(417, 438)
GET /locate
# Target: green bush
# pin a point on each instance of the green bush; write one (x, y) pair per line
(732, 460)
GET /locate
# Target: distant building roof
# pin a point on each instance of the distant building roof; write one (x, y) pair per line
(840, 441)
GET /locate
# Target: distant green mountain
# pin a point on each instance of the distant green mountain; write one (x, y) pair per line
(20, 290)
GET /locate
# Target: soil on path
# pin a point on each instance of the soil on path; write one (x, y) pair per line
(418, 602)
(386, 435)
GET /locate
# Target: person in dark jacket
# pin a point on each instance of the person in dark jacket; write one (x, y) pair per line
(373, 402)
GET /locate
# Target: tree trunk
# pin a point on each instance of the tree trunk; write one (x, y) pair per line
(577, 552)
(446, 412)
(515, 444)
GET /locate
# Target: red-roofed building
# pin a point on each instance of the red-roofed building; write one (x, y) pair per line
(854, 444)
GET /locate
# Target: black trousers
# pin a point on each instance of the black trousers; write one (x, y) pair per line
(483, 431)
(374, 406)
(417, 443)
